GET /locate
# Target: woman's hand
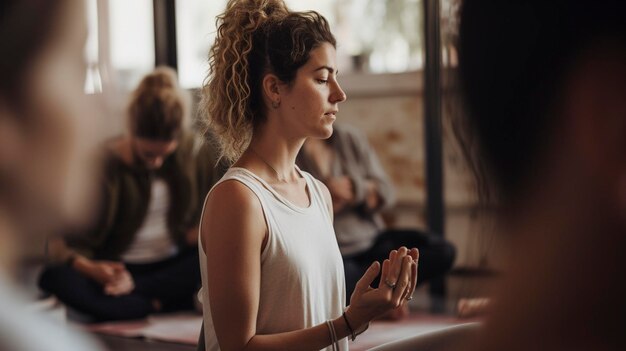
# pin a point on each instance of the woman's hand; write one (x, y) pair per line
(396, 287)
(113, 276)
(122, 284)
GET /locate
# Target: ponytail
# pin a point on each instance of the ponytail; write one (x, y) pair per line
(254, 37)
(227, 92)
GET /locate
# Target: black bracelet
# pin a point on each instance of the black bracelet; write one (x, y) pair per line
(353, 336)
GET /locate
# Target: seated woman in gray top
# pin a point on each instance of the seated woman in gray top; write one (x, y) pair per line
(361, 190)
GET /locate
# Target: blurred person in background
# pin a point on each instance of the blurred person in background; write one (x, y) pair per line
(361, 190)
(141, 255)
(44, 143)
(545, 88)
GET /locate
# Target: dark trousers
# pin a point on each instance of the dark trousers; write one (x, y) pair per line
(174, 282)
(435, 259)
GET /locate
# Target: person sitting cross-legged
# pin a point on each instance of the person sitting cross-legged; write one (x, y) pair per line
(360, 190)
(141, 256)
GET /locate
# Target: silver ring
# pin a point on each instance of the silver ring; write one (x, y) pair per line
(390, 285)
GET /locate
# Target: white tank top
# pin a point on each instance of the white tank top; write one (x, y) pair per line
(153, 242)
(302, 277)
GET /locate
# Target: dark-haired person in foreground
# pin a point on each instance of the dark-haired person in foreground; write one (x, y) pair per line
(141, 256)
(545, 86)
(45, 144)
(545, 89)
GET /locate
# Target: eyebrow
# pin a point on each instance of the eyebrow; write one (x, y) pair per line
(328, 68)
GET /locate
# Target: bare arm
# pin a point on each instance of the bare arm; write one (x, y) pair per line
(233, 235)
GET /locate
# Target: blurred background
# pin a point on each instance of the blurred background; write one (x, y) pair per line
(397, 62)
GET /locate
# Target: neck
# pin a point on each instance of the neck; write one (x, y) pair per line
(278, 151)
(313, 143)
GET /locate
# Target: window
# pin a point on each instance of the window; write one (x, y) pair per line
(380, 36)
(373, 36)
(195, 32)
(93, 81)
(131, 33)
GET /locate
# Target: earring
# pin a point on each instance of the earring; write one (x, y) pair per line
(275, 104)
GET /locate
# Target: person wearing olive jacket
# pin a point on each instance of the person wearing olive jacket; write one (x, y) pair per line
(141, 256)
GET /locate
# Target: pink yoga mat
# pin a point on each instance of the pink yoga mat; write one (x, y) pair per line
(381, 332)
(184, 328)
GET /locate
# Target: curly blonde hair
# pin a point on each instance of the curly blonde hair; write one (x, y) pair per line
(254, 37)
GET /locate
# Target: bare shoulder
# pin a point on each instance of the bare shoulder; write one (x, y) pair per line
(232, 212)
(233, 192)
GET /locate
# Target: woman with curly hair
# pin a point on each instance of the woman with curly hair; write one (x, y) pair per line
(271, 269)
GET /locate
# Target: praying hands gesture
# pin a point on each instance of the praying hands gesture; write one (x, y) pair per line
(397, 284)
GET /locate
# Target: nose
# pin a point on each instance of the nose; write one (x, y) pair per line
(338, 94)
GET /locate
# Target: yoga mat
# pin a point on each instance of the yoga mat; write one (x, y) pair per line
(381, 332)
(184, 328)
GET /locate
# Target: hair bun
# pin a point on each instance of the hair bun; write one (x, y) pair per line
(158, 106)
(162, 78)
(249, 14)
(249, 17)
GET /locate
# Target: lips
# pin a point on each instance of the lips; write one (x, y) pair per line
(331, 113)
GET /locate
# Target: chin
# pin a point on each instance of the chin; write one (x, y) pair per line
(327, 131)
